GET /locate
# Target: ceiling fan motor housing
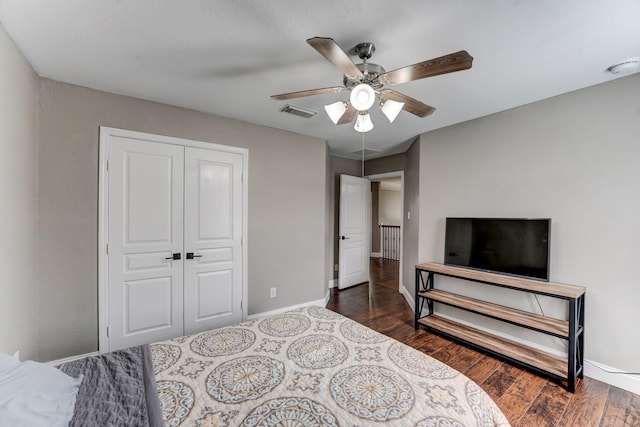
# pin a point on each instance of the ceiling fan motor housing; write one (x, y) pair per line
(364, 50)
(371, 73)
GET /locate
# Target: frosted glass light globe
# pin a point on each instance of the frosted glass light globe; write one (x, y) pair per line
(362, 97)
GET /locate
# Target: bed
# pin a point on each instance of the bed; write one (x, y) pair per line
(306, 367)
(311, 367)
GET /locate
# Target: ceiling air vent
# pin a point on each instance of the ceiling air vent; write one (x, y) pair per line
(298, 111)
(367, 152)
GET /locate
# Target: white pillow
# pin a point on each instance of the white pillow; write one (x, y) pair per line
(35, 394)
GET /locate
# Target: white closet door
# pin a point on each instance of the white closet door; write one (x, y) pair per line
(145, 216)
(213, 234)
(354, 247)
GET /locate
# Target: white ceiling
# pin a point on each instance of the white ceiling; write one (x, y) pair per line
(228, 57)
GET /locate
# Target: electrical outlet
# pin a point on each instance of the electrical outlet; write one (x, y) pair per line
(273, 292)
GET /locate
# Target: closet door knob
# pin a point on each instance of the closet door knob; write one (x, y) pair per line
(190, 255)
(175, 256)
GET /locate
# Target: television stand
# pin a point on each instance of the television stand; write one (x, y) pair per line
(559, 368)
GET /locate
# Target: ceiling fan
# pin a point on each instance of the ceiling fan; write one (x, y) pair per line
(369, 82)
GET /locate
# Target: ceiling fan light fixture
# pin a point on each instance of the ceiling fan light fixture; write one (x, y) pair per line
(391, 109)
(362, 97)
(336, 110)
(367, 83)
(363, 122)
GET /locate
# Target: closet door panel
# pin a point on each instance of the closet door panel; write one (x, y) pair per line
(213, 234)
(145, 288)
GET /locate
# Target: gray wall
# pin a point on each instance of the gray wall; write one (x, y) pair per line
(375, 217)
(574, 158)
(18, 289)
(328, 224)
(287, 180)
(411, 226)
(393, 163)
(390, 207)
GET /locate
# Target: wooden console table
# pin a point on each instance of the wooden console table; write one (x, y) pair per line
(560, 368)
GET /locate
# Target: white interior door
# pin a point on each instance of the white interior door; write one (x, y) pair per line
(353, 264)
(213, 233)
(145, 201)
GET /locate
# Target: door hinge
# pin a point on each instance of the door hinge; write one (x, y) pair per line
(107, 165)
(240, 305)
(107, 332)
(107, 248)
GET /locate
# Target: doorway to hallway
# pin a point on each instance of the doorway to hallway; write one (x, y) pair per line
(387, 211)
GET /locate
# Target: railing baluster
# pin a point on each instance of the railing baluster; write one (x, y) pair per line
(390, 245)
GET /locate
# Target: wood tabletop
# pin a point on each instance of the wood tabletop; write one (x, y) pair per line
(530, 285)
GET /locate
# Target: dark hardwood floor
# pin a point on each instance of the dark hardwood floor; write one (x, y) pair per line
(525, 398)
(384, 272)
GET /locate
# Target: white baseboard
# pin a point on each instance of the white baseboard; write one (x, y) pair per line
(59, 362)
(333, 283)
(376, 254)
(407, 296)
(614, 377)
(321, 302)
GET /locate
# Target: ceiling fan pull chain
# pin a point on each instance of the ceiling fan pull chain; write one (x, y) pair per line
(362, 154)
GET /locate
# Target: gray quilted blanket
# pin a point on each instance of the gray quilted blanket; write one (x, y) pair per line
(118, 389)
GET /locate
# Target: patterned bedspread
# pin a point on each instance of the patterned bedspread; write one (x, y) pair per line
(311, 367)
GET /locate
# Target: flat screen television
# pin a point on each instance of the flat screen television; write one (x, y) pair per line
(518, 247)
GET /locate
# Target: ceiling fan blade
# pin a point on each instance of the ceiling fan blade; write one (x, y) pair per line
(302, 93)
(433, 67)
(328, 48)
(348, 115)
(411, 105)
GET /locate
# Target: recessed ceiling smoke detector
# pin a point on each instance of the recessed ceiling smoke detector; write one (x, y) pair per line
(625, 67)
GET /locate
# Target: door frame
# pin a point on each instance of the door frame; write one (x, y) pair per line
(103, 231)
(395, 175)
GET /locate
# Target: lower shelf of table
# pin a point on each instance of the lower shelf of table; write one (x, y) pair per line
(544, 361)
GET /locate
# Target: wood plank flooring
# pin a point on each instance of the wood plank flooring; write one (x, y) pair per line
(526, 399)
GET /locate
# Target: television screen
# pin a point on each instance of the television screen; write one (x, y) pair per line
(517, 247)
